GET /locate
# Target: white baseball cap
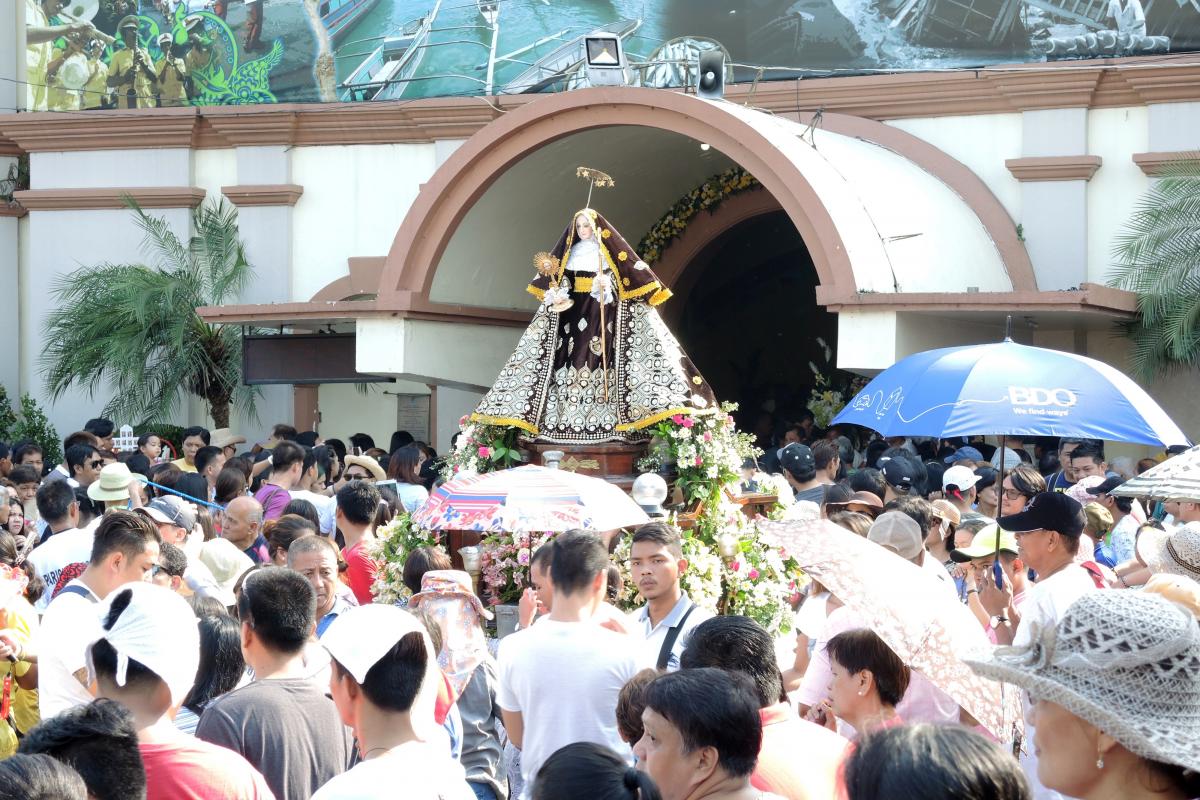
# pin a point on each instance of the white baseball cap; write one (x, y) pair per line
(357, 639)
(962, 477)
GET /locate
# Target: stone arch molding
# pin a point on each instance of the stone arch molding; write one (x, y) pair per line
(878, 209)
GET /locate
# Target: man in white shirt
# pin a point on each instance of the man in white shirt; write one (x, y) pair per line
(1047, 533)
(312, 476)
(655, 563)
(63, 544)
(560, 678)
(384, 682)
(125, 550)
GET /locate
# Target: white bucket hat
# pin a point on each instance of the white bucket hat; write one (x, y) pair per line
(113, 483)
(1128, 662)
(1177, 553)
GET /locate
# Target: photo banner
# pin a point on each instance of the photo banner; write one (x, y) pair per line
(84, 54)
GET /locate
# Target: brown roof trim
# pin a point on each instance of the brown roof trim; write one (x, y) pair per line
(15, 210)
(1054, 168)
(1089, 297)
(363, 279)
(1152, 163)
(1098, 83)
(277, 194)
(145, 196)
(317, 313)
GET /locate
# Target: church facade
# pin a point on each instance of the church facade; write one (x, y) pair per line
(923, 210)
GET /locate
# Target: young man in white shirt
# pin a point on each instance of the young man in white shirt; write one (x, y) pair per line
(316, 465)
(384, 682)
(559, 679)
(1047, 533)
(655, 563)
(63, 544)
(125, 550)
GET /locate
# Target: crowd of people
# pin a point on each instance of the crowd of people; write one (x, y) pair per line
(204, 627)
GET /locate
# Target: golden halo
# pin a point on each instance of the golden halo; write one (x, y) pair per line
(545, 263)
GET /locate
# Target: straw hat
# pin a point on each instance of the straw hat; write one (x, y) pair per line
(1177, 553)
(367, 463)
(225, 437)
(226, 563)
(113, 483)
(448, 583)
(1127, 662)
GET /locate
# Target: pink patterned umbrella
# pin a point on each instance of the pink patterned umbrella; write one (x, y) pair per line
(528, 498)
(911, 613)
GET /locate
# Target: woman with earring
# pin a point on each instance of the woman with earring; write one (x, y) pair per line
(868, 680)
(1116, 696)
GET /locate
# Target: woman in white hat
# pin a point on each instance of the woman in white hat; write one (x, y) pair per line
(1116, 688)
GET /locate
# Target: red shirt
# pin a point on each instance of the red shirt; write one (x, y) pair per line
(360, 571)
(192, 769)
(798, 759)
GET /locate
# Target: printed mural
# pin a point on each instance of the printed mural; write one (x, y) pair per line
(84, 54)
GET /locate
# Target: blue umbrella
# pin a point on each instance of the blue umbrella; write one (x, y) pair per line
(1009, 388)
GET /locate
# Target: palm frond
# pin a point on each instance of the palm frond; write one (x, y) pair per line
(1157, 256)
(133, 328)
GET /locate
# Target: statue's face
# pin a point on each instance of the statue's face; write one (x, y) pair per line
(583, 227)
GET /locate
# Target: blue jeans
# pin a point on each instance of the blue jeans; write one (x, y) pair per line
(483, 791)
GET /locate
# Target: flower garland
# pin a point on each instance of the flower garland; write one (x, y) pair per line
(730, 569)
(704, 197)
(389, 549)
(482, 448)
(504, 564)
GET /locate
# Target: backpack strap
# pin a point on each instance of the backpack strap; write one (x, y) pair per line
(664, 653)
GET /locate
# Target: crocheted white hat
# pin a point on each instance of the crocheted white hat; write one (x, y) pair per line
(1177, 552)
(1125, 661)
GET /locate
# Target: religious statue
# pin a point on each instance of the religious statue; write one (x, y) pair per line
(597, 363)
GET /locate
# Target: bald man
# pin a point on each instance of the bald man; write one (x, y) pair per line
(243, 527)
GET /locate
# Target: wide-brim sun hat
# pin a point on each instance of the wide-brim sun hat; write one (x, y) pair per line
(1177, 552)
(448, 583)
(1127, 662)
(369, 464)
(225, 437)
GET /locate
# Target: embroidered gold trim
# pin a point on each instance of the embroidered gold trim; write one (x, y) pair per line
(540, 294)
(622, 256)
(516, 423)
(661, 296)
(583, 285)
(653, 420)
(640, 291)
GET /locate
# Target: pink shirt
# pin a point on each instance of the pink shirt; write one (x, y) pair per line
(798, 760)
(192, 769)
(923, 702)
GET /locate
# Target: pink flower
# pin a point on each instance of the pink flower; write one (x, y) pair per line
(463, 420)
(688, 422)
(485, 452)
(699, 461)
(707, 436)
(753, 574)
(678, 419)
(736, 566)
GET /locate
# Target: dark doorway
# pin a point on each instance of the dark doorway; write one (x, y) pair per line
(746, 314)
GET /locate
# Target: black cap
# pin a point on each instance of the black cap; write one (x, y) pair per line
(838, 494)
(1052, 511)
(797, 459)
(1106, 487)
(899, 473)
(987, 477)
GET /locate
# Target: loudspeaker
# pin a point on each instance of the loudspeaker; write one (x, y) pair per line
(711, 82)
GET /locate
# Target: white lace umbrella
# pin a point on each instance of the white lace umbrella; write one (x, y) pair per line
(1177, 478)
(907, 608)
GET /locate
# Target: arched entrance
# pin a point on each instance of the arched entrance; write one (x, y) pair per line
(460, 260)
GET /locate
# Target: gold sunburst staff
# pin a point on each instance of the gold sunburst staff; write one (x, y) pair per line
(599, 180)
